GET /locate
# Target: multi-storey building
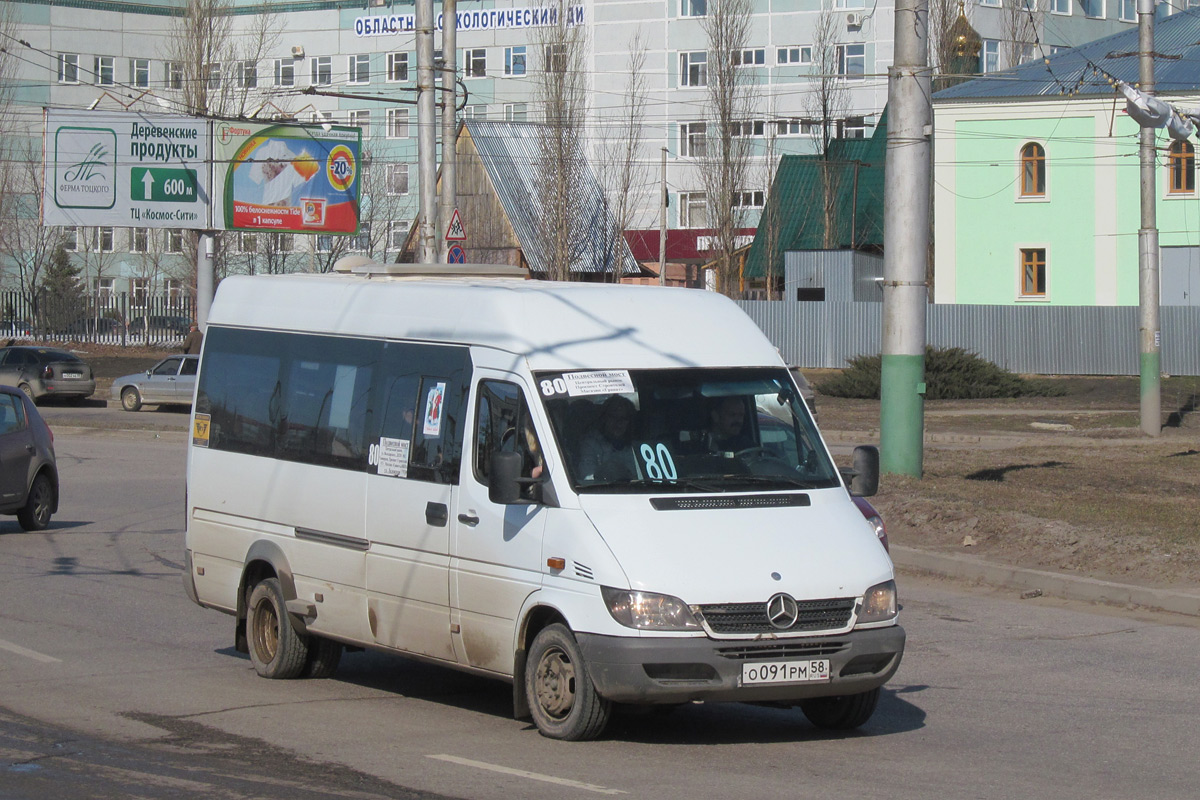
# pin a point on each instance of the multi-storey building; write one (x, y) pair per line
(108, 54)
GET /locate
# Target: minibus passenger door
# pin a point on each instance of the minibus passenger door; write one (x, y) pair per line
(497, 549)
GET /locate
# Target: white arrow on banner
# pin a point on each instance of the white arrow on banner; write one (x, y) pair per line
(148, 182)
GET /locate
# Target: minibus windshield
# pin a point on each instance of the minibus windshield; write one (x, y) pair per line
(684, 430)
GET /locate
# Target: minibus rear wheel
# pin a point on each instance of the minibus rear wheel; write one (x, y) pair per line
(276, 649)
(561, 696)
(842, 713)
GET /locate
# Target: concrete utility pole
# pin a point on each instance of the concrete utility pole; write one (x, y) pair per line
(427, 224)
(449, 198)
(204, 277)
(906, 243)
(1149, 335)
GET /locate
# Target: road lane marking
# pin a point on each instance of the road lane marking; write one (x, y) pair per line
(22, 651)
(533, 776)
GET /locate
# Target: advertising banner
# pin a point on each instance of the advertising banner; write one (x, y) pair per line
(293, 178)
(126, 169)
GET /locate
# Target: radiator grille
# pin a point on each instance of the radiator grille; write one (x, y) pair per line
(751, 618)
(782, 650)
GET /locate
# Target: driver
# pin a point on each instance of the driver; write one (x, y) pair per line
(726, 418)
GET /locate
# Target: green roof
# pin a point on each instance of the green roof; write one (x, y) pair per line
(853, 173)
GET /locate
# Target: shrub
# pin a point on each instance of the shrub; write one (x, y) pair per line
(950, 374)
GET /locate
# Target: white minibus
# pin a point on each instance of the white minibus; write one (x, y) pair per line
(602, 494)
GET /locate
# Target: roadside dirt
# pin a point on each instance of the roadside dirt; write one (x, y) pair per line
(1067, 484)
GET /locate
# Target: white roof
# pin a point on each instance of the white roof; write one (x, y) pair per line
(551, 324)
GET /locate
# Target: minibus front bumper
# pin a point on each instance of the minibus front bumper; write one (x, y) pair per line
(670, 670)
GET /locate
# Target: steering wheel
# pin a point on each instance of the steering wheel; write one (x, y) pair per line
(749, 451)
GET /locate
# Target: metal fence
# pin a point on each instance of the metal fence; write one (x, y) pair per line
(1035, 340)
(115, 318)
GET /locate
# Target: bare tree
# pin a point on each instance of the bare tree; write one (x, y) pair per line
(1021, 21)
(621, 170)
(726, 153)
(828, 103)
(561, 93)
(26, 246)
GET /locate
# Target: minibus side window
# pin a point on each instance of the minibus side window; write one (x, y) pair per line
(503, 424)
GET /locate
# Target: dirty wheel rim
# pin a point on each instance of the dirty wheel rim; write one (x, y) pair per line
(265, 631)
(129, 399)
(555, 683)
(43, 498)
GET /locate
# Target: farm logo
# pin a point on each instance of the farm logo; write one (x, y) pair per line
(85, 167)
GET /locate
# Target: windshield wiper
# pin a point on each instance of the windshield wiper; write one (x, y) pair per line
(685, 483)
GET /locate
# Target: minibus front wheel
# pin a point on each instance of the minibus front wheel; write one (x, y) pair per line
(561, 696)
(277, 650)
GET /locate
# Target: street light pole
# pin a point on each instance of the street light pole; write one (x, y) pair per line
(426, 136)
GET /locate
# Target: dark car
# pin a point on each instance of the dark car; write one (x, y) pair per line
(46, 372)
(28, 471)
(161, 325)
(172, 380)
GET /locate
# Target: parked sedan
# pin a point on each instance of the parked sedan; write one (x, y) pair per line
(172, 380)
(28, 471)
(46, 372)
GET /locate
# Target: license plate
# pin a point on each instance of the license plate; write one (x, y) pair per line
(816, 669)
(72, 374)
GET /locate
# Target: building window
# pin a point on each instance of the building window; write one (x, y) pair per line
(750, 57)
(849, 4)
(514, 61)
(70, 239)
(359, 69)
(174, 290)
(321, 117)
(1060, 7)
(104, 70)
(989, 56)
(475, 111)
(105, 289)
(214, 77)
(173, 75)
(322, 71)
(693, 69)
(852, 128)
(1093, 9)
(139, 240)
(397, 123)
(556, 58)
(246, 74)
(475, 64)
(361, 241)
(247, 242)
(797, 127)
(285, 72)
(749, 199)
(68, 68)
(141, 291)
(1033, 272)
(693, 8)
(1181, 168)
(749, 129)
(1028, 53)
(1128, 10)
(139, 72)
(989, 3)
(101, 240)
(362, 119)
(397, 67)
(1033, 170)
(515, 112)
(852, 61)
(281, 242)
(397, 178)
(693, 210)
(692, 137)
(794, 55)
(174, 240)
(324, 243)
(398, 233)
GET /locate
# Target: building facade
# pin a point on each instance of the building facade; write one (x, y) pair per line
(360, 60)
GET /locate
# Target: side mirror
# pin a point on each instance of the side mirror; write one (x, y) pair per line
(865, 482)
(504, 479)
(149, 372)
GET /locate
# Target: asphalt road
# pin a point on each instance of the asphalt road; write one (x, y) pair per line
(112, 684)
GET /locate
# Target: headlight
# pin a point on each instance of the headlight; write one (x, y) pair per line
(879, 603)
(648, 611)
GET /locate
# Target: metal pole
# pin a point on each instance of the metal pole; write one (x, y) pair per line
(1149, 335)
(662, 225)
(426, 136)
(204, 277)
(449, 199)
(906, 243)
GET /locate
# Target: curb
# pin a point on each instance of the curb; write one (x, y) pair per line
(1070, 587)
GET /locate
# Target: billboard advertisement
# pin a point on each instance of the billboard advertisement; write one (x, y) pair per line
(292, 178)
(126, 169)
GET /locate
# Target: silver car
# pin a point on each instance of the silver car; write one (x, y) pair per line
(170, 381)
